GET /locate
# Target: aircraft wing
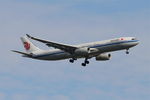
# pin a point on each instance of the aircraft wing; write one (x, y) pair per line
(66, 48)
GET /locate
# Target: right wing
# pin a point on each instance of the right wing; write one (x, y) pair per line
(66, 48)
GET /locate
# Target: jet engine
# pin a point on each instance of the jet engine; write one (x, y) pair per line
(103, 57)
(82, 51)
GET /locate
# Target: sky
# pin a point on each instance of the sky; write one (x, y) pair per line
(124, 77)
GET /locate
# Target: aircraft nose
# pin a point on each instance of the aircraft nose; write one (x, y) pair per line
(136, 43)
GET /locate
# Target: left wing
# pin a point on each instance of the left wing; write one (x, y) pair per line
(66, 48)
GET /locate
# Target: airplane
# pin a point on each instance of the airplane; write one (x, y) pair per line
(100, 50)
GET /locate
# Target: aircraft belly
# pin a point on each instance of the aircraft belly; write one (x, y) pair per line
(114, 47)
(54, 57)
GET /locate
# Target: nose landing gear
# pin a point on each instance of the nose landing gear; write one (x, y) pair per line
(127, 51)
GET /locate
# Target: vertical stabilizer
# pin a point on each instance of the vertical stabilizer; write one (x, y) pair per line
(29, 46)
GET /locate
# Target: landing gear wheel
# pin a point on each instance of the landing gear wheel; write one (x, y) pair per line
(83, 64)
(127, 52)
(87, 62)
(71, 60)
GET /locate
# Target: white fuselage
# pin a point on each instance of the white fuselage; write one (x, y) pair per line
(100, 47)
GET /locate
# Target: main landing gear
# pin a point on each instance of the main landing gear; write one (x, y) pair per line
(72, 60)
(85, 62)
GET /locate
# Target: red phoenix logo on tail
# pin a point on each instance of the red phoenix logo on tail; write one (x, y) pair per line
(26, 45)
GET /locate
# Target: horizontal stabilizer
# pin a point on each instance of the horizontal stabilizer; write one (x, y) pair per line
(24, 54)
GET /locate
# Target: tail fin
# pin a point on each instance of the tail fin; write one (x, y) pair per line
(29, 46)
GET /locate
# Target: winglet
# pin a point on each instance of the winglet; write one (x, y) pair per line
(28, 35)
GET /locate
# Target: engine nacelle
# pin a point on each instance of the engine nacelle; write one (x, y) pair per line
(103, 57)
(82, 51)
